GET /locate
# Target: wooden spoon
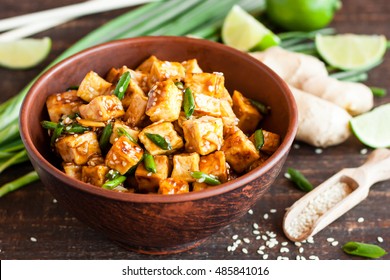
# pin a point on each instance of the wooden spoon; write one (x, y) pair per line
(341, 192)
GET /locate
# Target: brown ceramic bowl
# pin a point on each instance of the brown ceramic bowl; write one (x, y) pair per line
(152, 223)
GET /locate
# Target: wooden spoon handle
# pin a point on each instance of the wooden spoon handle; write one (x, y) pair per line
(375, 169)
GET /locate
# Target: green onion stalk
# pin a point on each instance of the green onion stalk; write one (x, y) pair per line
(174, 17)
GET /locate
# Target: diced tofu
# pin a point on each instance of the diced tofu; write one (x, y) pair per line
(247, 114)
(162, 70)
(148, 182)
(115, 136)
(164, 129)
(271, 142)
(203, 135)
(65, 103)
(135, 113)
(78, 148)
(147, 64)
(173, 186)
(133, 89)
(227, 114)
(183, 165)
(226, 96)
(96, 159)
(239, 151)
(102, 108)
(196, 186)
(164, 103)
(191, 66)
(113, 75)
(214, 164)
(207, 105)
(72, 170)
(123, 155)
(92, 86)
(211, 84)
(136, 77)
(95, 175)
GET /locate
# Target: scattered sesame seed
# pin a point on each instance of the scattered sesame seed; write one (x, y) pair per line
(380, 239)
(301, 250)
(298, 244)
(234, 237)
(363, 151)
(335, 243)
(256, 232)
(238, 241)
(318, 151)
(310, 239)
(54, 200)
(255, 226)
(296, 146)
(286, 175)
(246, 240)
(229, 248)
(245, 250)
(284, 250)
(284, 243)
(250, 212)
(33, 239)
(260, 252)
(258, 237)
(272, 210)
(265, 256)
(330, 239)
(265, 216)
(360, 220)
(262, 247)
(264, 237)
(312, 257)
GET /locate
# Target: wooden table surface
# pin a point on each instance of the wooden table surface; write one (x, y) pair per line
(31, 212)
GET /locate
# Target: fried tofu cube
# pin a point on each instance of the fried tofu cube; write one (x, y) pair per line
(148, 182)
(164, 102)
(162, 70)
(135, 113)
(166, 130)
(92, 86)
(183, 165)
(196, 186)
(247, 114)
(123, 155)
(211, 84)
(78, 148)
(72, 170)
(133, 89)
(214, 164)
(63, 104)
(227, 114)
(191, 66)
(117, 125)
(146, 65)
(226, 96)
(206, 105)
(239, 151)
(102, 108)
(94, 175)
(203, 135)
(271, 141)
(173, 186)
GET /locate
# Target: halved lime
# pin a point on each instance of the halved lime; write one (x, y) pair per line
(351, 51)
(24, 53)
(242, 31)
(372, 128)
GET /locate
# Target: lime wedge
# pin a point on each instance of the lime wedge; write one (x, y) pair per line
(372, 128)
(242, 31)
(351, 51)
(24, 53)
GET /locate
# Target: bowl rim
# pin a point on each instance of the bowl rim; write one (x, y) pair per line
(158, 198)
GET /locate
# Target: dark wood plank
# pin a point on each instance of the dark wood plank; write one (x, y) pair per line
(31, 213)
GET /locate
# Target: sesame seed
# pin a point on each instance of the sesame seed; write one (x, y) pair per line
(296, 146)
(330, 239)
(250, 212)
(266, 216)
(284, 243)
(380, 239)
(363, 151)
(335, 243)
(287, 175)
(33, 239)
(256, 232)
(238, 241)
(54, 200)
(310, 239)
(360, 220)
(258, 237)
(312, 257)
(255, 226)
(229, 248)
(245, 250)
(284, 250)
(318, 151)
(272, 210)
(264, 237)
(298, 244)
(260, 252)
(246, 240)
(262, 247)
(301, 250)
(234, 237)
(265, 256)
(149, 174)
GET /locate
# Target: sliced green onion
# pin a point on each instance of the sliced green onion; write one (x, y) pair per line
(112, 174)
(76, 128)
(259, 139)
(364, 250)
(263, 109)
(121, 131)
(188, 103)
(300, 181)
(105, 137)
(122, 85)
(150, 164)
(202, 177)
(57, 133)
(18, 183)
(111, 184)
(49, 125)
(379, 92)
(179, 85)
(159, 141)
(14, 159)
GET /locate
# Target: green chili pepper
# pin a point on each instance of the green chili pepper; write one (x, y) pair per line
(259, 139)
(179, 85)
(263, 109)
(134, 168)
(209, 179)
(48, 125)
(111, 184)
(300, 181)
(121, 131)
(159, 141)
(76, 128)
(57, 132)
(364, 250)
(188, 103)
(112, 174)
(150, 164)
(105, 137)
(122, 85)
